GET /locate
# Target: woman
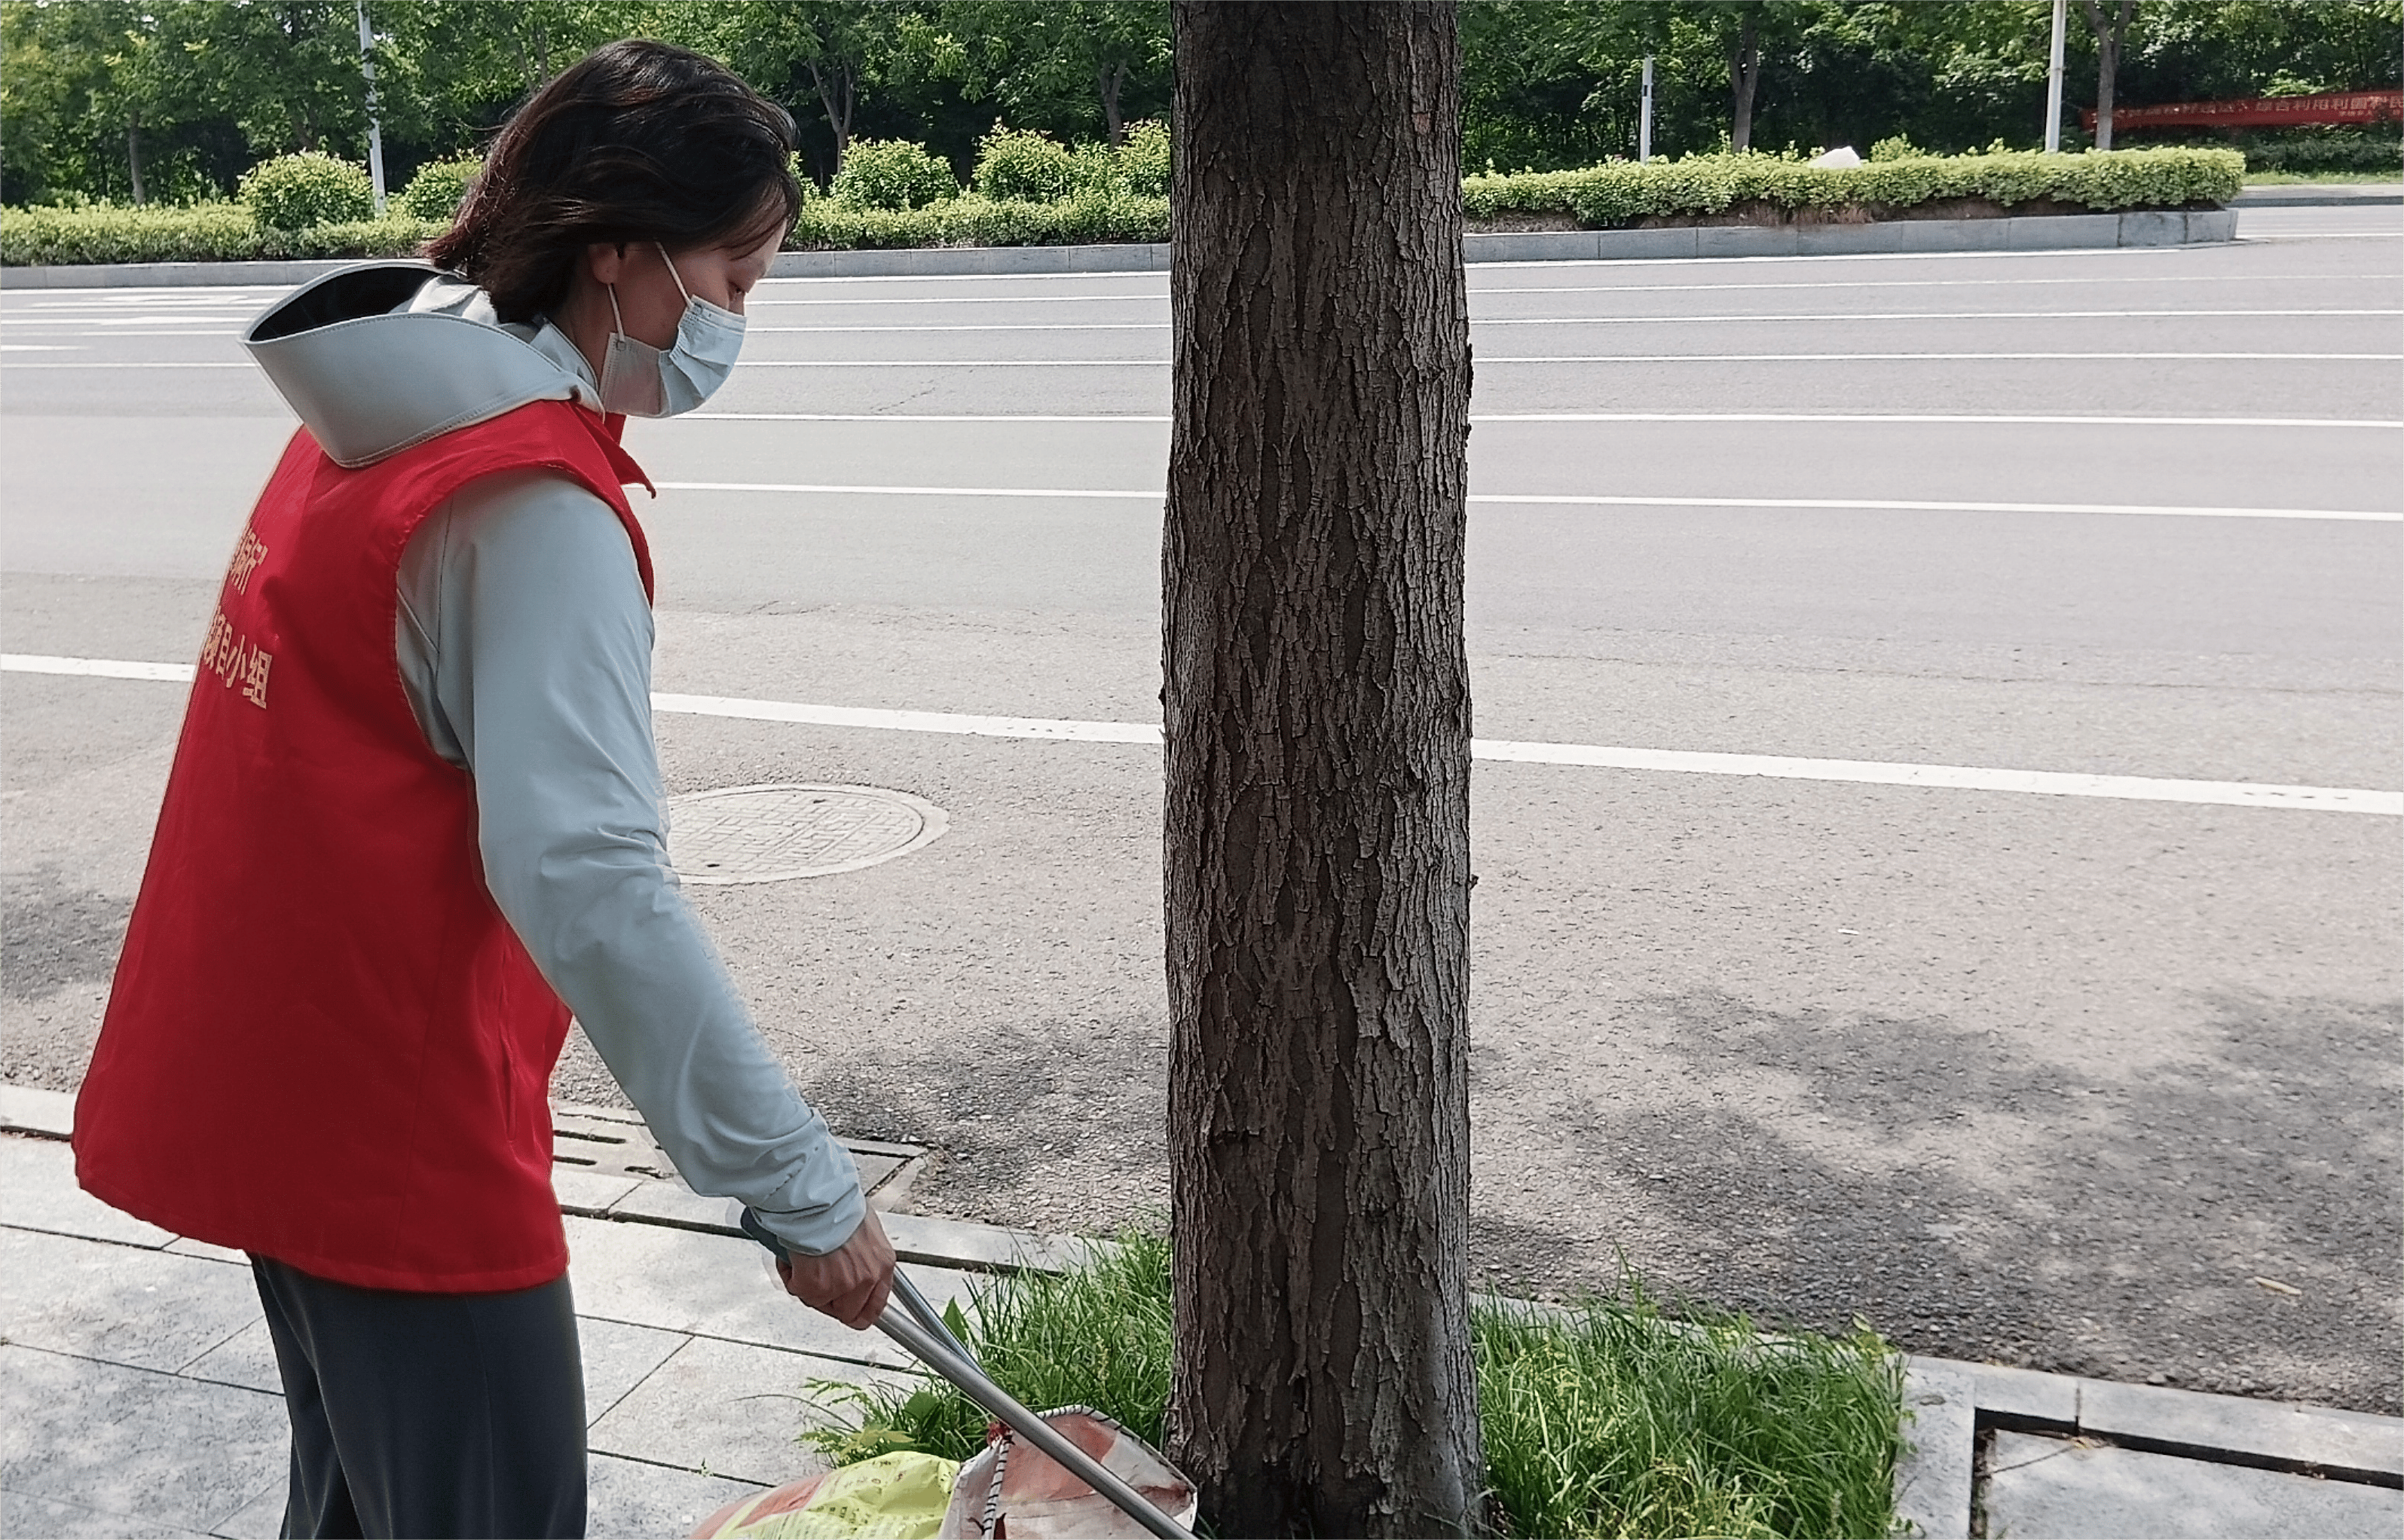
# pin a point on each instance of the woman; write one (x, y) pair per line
(415, 820)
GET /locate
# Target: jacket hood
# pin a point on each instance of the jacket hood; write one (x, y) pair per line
(380, 357)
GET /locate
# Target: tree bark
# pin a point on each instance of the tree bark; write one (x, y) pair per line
(1317, 714)
(1109, 78)
(134, 154)
(2108, 39)
(833, 83)
(1744, 75)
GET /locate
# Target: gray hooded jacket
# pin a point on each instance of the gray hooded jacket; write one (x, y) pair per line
(524, 644)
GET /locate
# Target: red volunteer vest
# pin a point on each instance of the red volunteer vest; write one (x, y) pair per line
(324, 1044)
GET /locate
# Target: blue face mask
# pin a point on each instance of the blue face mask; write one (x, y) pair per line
(642, 380)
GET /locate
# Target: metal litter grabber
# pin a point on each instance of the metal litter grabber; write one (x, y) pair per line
(921, 1329)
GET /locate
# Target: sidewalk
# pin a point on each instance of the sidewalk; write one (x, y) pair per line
(138, 1393)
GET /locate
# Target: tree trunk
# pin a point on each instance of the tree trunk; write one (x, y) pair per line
(1111, 78)
(1745, 73)
(1316, 712)
(836, 93)
(2109, 36)
(134, 154)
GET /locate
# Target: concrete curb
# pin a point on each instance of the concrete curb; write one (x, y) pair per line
(1952, 1408)
(2300, 195)
(2033, 233)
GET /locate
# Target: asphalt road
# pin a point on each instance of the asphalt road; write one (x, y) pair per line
(2051, 1079)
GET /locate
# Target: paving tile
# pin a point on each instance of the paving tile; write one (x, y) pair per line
(1933, 1481)
(2027, 1393)
(2041, 1488)
(147, 1309)
(674, 1203)
(617, 1356)
(128, 1441)
(589, 1192)
(923, 1238)
(719, 1285)
(2317, 1436)
(628, 1500)
(35, 1111)
(246, 1359)
(731, 1408)
(24, 1514)
(184, 1246)
(261, 1517)
(37, 1175)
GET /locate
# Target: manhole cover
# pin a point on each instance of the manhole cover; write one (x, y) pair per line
(769, 834)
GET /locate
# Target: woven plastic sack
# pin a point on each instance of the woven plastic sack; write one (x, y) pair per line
(892, 1497)
(1015, 1492)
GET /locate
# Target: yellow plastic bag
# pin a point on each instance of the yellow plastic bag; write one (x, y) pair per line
(892, 1497)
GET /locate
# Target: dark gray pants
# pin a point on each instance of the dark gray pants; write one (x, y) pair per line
(428, 1414)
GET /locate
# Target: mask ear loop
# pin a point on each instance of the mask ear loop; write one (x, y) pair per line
(672, 271)
(616, 318)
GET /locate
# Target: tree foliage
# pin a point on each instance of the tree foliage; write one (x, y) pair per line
(188, 94)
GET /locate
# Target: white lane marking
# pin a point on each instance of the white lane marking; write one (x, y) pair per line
(39, 347)
(113, 336)
(1600, 359)
(910, 721)
(916, 417)
(1705, 286)
(1578, 500)
(2024, 418)
(1014, 325)
(1952, 358)
(2354, 515)
(1916, 316)
(95, 668)
(832, 489)
(1708, 287)
(2242, 794)
(2141, 788)
(1636, 320)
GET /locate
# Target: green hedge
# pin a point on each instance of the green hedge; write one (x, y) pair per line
(204, 232)
(1086, 219)
(1622, 193)
(1600, 197)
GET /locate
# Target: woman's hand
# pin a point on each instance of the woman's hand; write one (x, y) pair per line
(850, 1282)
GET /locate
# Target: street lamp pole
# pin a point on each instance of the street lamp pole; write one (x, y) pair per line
(1644, 115)
(375, 125)
(2053, 83)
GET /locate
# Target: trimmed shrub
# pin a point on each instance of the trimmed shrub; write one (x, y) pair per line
(1015, 164)
(292, 192)
(892, 175)
(436, 190)
(204, 232)
(389, 237)
(1623, 192)
(1143, 160)
(2305, 150)
(1087, 218)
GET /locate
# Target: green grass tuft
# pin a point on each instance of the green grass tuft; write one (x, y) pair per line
(1610, 1418)
(1098, 1336)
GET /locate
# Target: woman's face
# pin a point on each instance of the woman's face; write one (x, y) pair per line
(649, 298)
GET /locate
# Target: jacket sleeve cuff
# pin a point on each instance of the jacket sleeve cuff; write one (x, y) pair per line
(817, 1209)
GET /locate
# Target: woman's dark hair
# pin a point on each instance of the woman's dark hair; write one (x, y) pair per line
(639, 141)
